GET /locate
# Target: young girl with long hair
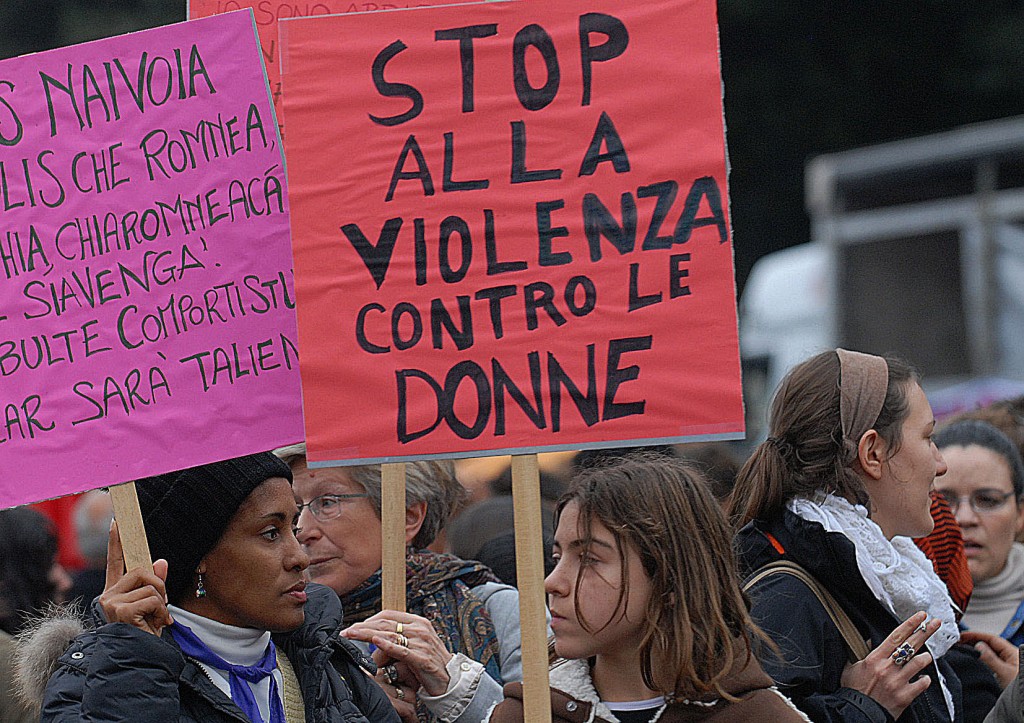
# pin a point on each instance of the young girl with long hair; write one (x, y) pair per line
(839, 488)
(649, 621)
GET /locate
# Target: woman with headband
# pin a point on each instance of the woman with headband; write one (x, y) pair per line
(834, 494)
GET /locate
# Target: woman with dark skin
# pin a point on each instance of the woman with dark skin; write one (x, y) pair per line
(223, 627)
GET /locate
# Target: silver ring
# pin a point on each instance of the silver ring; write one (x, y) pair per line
(390, 674)
(902, 654)
(402, 640)
(399, 693)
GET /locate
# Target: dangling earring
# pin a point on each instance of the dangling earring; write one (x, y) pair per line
(200, 590)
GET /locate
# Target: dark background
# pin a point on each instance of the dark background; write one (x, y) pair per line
(802, 77)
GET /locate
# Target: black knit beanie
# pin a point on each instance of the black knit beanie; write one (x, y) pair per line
(186, 512)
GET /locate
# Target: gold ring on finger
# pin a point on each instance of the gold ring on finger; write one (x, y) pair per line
(399, 693)
(402, 640)
(399, 628)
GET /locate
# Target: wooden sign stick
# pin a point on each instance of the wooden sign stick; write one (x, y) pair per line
(530, 572)
(392, 515)
(130, 527)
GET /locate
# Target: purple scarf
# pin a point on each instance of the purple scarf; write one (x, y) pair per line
(239, 676)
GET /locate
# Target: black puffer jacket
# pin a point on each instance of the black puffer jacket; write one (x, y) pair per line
(813, 653)
(120, 673)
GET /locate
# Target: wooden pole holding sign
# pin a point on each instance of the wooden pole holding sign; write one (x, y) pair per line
(529, 534)
(392, 515)
(129, 526)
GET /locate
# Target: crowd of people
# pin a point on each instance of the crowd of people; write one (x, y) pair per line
(862, 565)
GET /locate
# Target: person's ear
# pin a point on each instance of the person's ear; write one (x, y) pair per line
(1020, 518)
(415, 514)
(871, 454)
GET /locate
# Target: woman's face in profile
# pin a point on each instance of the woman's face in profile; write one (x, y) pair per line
(254, 575)
(900, 502)
(609, 627)
(345, 550)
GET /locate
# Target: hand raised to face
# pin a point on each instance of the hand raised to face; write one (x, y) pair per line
(410, 644)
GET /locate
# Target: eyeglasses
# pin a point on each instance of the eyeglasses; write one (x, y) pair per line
(982, 501)
(328, 507)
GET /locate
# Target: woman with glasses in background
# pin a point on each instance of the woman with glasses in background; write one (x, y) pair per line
(459, 613)
(984, 487)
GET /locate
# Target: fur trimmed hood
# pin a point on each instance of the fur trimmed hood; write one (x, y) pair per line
(40, 645)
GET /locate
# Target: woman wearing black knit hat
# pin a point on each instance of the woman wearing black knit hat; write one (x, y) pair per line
(223, 628)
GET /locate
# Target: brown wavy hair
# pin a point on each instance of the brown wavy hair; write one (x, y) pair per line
(696, 628)
(805, 451)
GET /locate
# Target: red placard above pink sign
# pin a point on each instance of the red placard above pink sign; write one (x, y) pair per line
(511, 228)
(268, 13)
(146, 310)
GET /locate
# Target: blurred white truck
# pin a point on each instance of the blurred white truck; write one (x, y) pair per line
(917, 248)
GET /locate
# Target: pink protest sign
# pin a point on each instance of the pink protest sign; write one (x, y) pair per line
(146, 310)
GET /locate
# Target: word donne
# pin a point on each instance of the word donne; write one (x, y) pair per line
(488, 391)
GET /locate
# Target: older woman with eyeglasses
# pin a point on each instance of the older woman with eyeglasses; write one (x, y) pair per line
(461, 634)
(984, 487)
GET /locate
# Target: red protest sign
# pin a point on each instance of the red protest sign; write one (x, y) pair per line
(510, 224)
(267, 13)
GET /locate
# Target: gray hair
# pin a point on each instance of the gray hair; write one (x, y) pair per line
(93, 513)
(429, 481)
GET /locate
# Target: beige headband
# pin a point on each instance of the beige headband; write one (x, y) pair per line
(863, 381)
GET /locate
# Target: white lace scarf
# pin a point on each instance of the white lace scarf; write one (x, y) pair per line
(896, 571)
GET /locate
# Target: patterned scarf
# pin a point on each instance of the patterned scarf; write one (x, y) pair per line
(438, 588)
(945, 548)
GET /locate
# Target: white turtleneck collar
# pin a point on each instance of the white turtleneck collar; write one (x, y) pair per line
(994, 601)
(238, 646)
